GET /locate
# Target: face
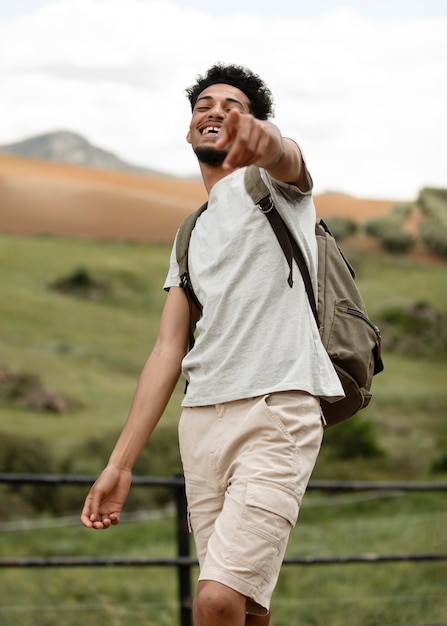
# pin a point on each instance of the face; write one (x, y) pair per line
(210, 111)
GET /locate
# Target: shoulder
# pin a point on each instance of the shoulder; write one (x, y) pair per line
(287, 190)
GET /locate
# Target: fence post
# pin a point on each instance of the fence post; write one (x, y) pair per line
(183, 569)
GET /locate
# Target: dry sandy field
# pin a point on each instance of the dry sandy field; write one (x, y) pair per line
(40, 197)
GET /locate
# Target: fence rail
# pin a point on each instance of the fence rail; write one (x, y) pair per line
(178, 481)
(184, 561)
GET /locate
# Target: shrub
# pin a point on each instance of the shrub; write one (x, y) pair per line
(342, 227)
(439, 466)
(26, 389)
(390, 232)
(403, 211)
(432, 200)
(353, 439)
(434, 235)
(15, 386)
(417, 330)
(81, 283)
(433, 204)
(390, 229)
(397, 241)
(391, 235)
(31, 456)
(374, 227)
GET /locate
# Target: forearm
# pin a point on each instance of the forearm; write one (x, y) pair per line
(251, 141)
(157, 381)
(154, 389)
(282, 158)
(106, 498)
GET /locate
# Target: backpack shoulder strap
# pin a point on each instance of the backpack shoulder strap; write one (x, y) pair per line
(184, 236)
(181, 251)
(256, 187)
(260, 194)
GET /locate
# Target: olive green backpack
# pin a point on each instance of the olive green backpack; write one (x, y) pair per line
(351, 339)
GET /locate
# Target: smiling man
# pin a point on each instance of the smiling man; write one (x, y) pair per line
(251, 424)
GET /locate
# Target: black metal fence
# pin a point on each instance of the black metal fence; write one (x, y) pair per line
(184, 562)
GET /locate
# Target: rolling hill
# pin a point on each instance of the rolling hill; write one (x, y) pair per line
(47, 197)
(63, 146)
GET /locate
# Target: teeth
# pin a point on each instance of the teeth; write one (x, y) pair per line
(210, 130)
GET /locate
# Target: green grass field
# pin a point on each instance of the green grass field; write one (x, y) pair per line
(93, 350)
(354, 594)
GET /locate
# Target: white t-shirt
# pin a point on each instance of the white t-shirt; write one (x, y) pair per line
(256, 335)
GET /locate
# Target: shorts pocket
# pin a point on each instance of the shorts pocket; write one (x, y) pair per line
(294, 411)
(273, 498)
(269, 513)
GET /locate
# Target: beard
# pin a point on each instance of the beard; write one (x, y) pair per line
(210, 156)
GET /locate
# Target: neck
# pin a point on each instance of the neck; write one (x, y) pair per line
(211, 174)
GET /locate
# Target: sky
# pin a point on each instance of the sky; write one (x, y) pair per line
(361, 85)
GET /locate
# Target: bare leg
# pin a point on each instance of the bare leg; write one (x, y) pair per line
(218, 605)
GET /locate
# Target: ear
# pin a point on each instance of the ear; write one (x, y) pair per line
(188, 137)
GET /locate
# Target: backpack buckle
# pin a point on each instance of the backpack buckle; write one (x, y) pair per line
(265, 204)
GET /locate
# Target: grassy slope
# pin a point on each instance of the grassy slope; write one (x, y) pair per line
(90, 350)
(94, 351)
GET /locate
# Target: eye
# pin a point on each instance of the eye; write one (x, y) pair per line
(234, 105)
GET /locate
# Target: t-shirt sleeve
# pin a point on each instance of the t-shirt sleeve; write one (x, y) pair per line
(173, 277)
(309, 181)
(287, 187)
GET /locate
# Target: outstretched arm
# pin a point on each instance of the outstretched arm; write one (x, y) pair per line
(251, 141)
(106, 498)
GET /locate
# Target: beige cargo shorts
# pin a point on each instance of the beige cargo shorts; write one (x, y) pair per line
(247, 464)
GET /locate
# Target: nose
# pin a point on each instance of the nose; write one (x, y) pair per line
(216, 111)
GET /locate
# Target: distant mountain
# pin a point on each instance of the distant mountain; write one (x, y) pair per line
(67, 147)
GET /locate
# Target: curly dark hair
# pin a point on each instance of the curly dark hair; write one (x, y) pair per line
(260, 96)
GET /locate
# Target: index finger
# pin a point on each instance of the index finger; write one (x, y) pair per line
(228, 130)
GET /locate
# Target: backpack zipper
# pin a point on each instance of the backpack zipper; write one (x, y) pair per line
(362, 316)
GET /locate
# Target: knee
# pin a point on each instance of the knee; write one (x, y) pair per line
(215, 603)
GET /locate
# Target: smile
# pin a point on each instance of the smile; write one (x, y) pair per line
(210, 130)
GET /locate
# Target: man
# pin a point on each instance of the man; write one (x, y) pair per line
(251, 425)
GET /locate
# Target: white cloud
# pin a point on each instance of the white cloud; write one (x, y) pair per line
(365, 98)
